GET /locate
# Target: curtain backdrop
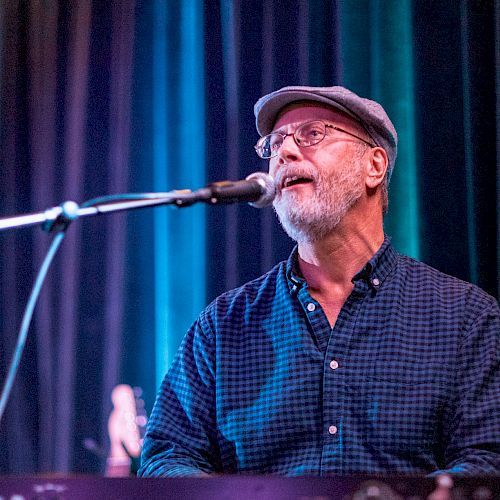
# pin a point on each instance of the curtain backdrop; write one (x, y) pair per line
(107, 97)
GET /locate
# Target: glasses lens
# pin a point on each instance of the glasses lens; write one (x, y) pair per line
(268, 146)
(310, 133)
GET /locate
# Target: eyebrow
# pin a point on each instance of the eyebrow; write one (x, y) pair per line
(281, 130)
(340, 129)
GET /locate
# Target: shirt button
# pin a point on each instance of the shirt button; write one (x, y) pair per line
(334, 364)
(376, 282)
(311, 307)
(332, 429)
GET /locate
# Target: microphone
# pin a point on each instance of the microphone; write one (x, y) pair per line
(258, 189)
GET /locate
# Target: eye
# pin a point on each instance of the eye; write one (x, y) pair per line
(269, 145)
(273, 142)
(311, 133)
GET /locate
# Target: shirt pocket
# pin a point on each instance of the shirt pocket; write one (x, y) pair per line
(397, 417)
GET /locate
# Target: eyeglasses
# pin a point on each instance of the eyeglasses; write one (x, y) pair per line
(308, 134)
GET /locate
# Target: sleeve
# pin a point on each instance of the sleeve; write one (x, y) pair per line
(474, 439)
(181, 438)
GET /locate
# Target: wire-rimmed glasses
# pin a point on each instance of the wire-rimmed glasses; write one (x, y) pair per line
(307, 134)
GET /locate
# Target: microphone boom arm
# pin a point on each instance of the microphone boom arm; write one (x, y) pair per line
(258, 189)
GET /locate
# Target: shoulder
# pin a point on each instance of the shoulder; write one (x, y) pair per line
(423, 274)
(256, 295)
(443, 292)
(260, 288)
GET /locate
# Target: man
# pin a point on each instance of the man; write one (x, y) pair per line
(347, 358)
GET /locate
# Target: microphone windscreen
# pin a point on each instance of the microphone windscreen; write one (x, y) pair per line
(268, 189)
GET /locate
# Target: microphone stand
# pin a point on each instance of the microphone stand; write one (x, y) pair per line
(57, 220)
(258, 188)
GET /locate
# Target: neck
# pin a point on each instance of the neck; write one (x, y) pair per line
(331, 263)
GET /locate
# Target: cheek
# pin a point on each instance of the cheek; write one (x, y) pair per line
(272, 166)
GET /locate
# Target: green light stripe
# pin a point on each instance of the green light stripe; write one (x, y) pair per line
(191, 250)
(382, 68)
(160, 168)
(468, 150)
(179, 117)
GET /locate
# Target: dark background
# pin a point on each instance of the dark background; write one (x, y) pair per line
(107, 97)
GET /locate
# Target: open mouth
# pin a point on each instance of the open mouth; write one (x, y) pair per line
(294, 180)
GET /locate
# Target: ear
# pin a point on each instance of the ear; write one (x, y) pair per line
(377, 167)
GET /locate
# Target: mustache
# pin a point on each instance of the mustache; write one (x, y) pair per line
(289, 171)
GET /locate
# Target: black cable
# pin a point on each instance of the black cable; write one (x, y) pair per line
(28, 314)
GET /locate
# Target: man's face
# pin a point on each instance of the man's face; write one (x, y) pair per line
(316, 185)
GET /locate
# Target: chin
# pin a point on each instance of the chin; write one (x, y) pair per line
(313, 216)
(304, 226)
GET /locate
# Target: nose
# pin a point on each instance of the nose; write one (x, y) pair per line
(289, 150)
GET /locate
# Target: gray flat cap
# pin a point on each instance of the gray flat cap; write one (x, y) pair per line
(369, 113)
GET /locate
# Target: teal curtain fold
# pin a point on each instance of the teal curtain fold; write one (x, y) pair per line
(377, 61)
(179, 161)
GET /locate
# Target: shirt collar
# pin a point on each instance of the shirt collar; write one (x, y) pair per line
(293, 274)
(373, 273)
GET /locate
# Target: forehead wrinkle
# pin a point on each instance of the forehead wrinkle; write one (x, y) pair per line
(336, 117)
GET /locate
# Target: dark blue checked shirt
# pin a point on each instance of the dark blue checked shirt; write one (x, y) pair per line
(407, 381)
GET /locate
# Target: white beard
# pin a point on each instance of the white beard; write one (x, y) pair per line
(311, 219)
